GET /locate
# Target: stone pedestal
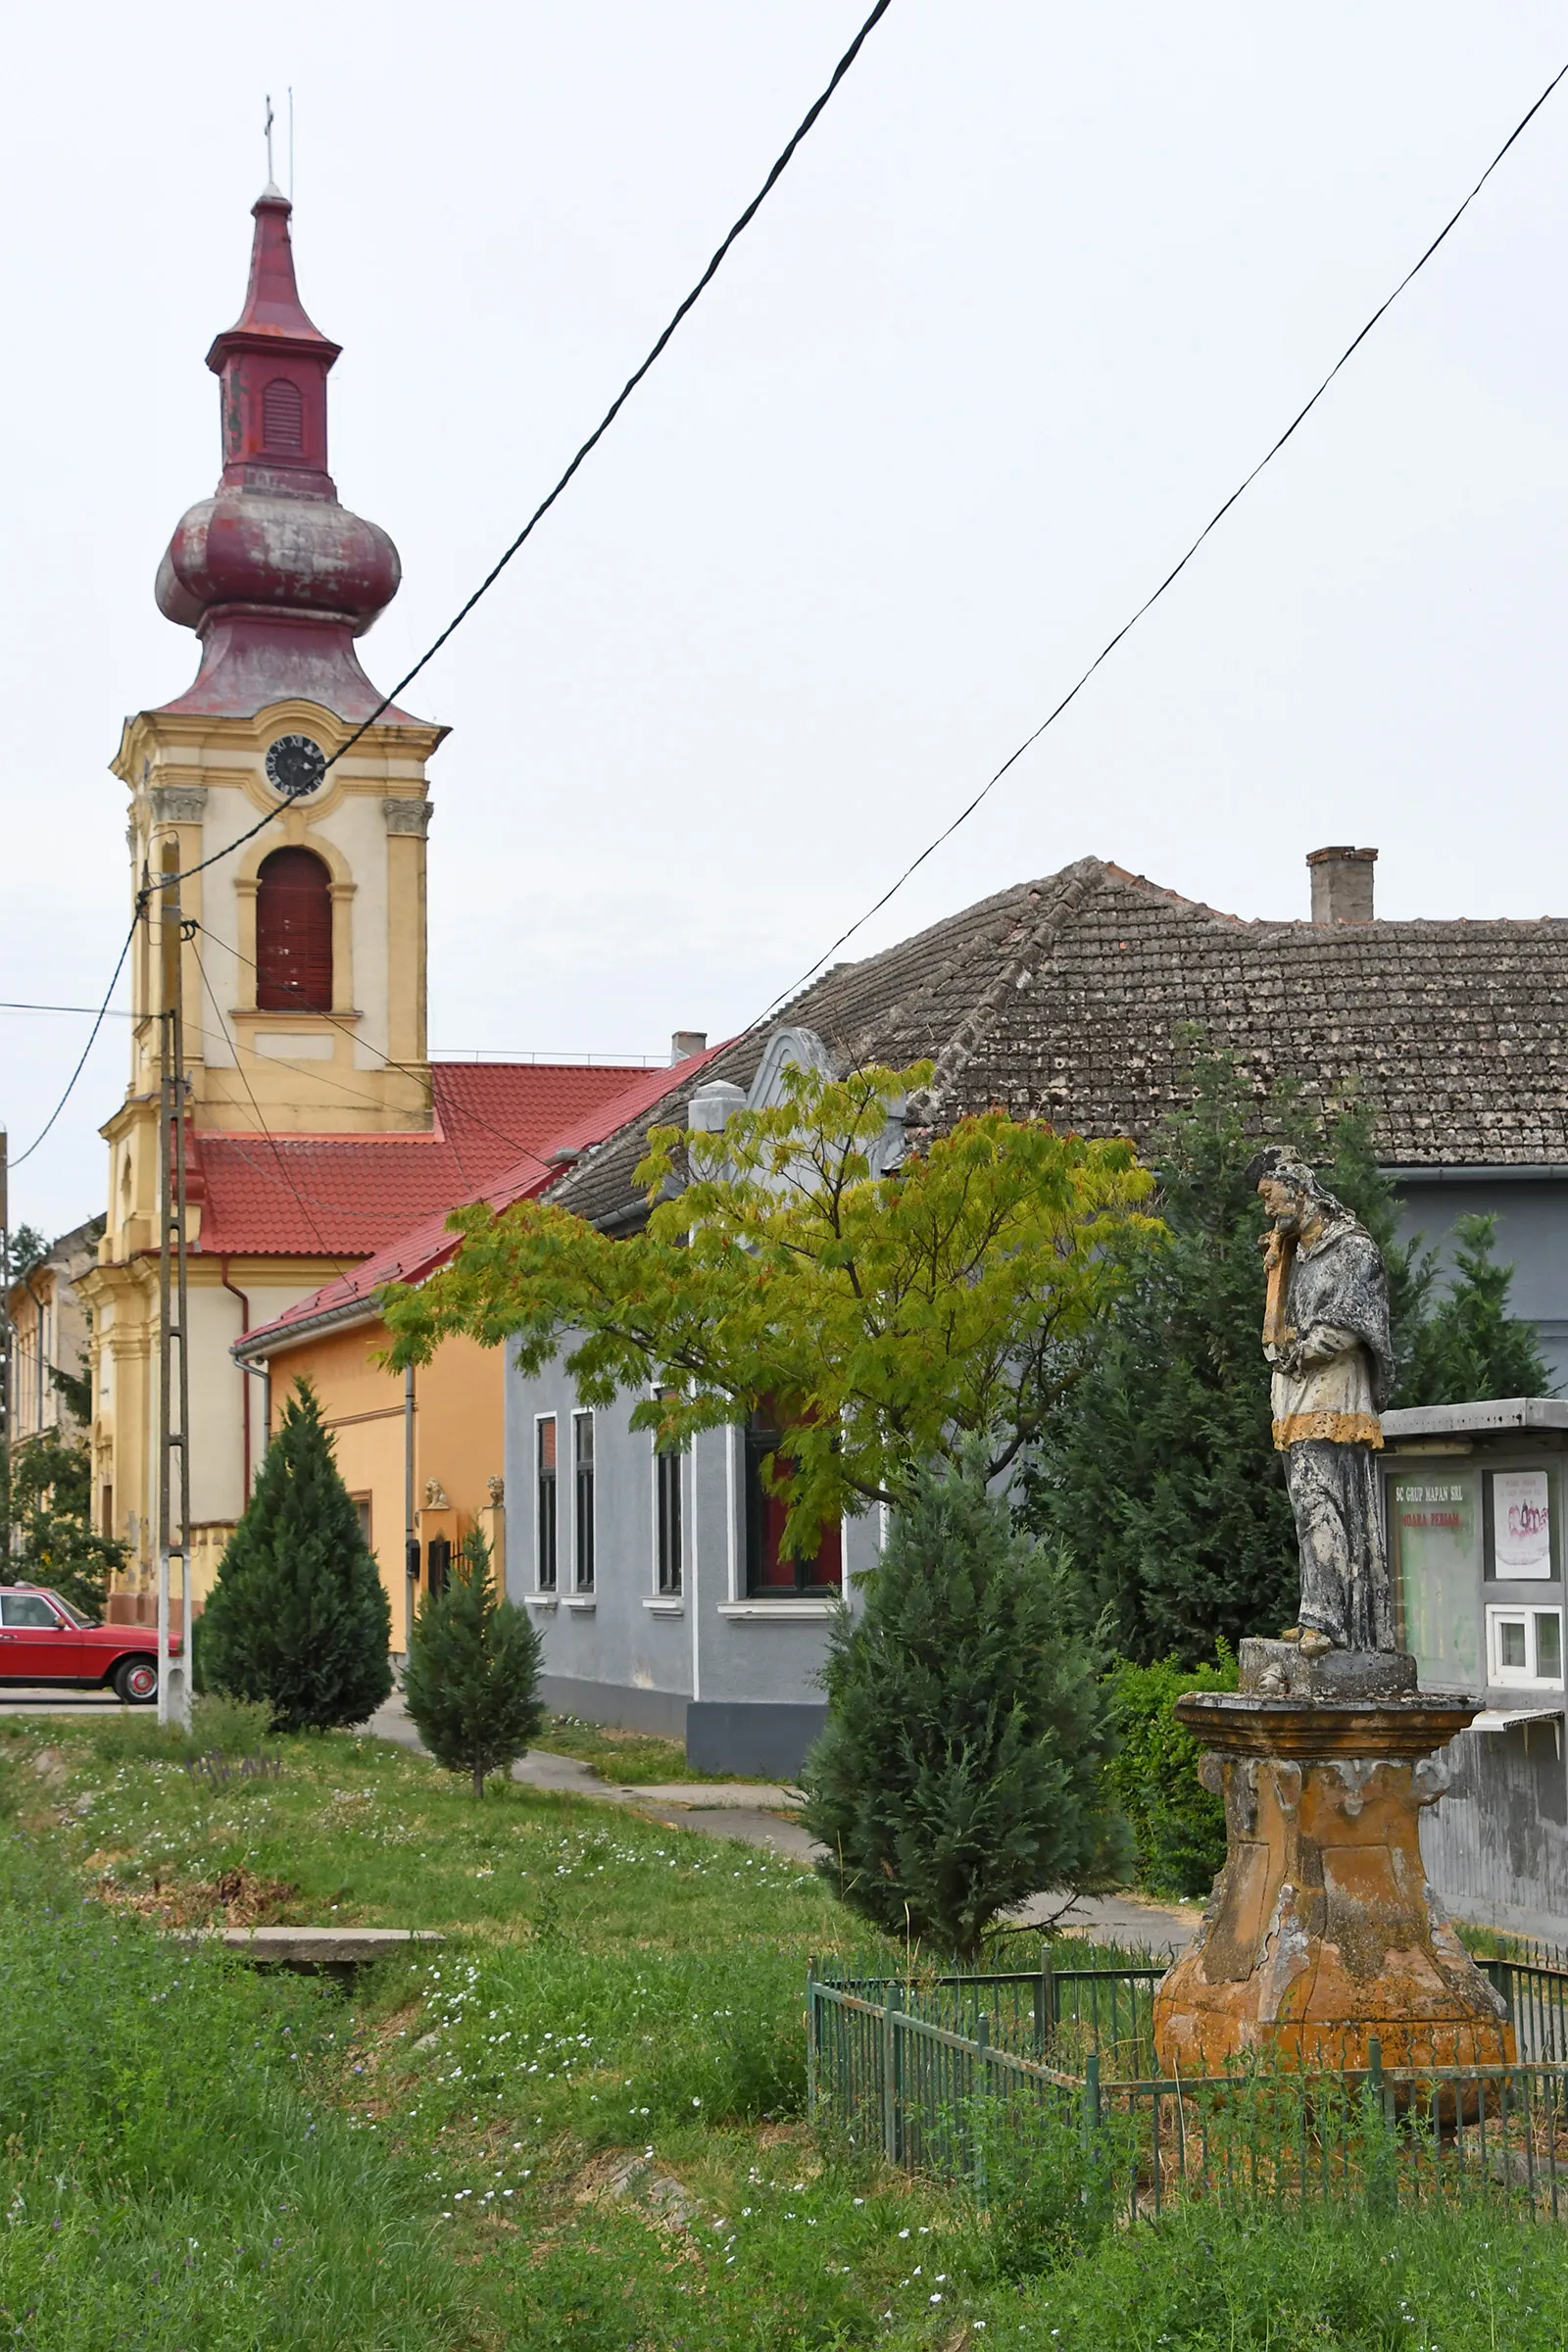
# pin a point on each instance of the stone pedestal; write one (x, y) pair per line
(1321, 1933)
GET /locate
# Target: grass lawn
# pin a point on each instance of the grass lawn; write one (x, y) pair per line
(628, 1759)
(578, 2124)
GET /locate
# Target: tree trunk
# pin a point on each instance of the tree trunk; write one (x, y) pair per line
(478, 1779)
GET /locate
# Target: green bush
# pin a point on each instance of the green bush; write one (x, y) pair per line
(298, 1618)
(963, 1764)
(1178, 1828)
(471, 1681)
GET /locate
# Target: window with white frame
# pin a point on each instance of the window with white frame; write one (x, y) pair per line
(1525, 1645)
(583, 1515)
(546, 1507)
(668, 1530)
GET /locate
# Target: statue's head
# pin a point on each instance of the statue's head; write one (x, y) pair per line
(1291, 1192)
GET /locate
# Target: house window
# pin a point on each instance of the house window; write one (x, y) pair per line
(361, 1505)
(769, 1568)
(282, 416)
(668, 1534)
(582, 1516)
(546, 1512)
(294, 933)
(1525, 1645)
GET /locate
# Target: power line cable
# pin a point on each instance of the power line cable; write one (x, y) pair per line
(9, 1005)
(682, 310)
(92, 1039)
(256, 1109)
(1171, 576)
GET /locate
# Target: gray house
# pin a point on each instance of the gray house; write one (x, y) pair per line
(659, 1585)
(1475, 1503)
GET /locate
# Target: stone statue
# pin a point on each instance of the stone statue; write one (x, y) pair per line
(1326, 1336)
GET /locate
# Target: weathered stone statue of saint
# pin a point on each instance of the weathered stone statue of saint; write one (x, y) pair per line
(1326, 1336)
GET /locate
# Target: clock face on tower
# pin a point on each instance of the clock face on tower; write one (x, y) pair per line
(295, 765)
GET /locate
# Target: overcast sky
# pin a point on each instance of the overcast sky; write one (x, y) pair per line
(1042, 285)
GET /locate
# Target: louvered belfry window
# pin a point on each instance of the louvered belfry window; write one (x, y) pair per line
(282, 416)
(294, 934)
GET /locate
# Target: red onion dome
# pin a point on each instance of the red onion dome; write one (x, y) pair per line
(309, 554)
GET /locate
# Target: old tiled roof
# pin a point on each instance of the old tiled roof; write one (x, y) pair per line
(421, 1248)
(345, 1196)
(1065, 998)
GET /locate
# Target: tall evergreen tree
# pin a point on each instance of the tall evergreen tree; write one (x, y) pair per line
(298, 1617)
(471, 1681)
(1469, 1345)
(1159, 1474)
(962, 1766)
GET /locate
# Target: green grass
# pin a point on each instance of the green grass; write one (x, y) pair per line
(171, 2176)
(628, 1759)
(578, 2124)
(1329, 2281)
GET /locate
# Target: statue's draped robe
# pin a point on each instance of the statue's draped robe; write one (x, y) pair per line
(1326, 1333)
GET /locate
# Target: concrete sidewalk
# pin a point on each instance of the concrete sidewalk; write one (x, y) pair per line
(757, 1813)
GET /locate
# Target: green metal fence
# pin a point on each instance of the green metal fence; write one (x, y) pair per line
(1014, 2081)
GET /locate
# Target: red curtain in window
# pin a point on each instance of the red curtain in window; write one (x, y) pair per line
(771, 1569)
(294, 934)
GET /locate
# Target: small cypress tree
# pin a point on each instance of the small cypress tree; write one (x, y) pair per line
(962, 1766)
(471, 1680)
(298, 1617)
(1470, 1348)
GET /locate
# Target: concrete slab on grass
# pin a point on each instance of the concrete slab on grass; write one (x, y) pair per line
(314, 1948)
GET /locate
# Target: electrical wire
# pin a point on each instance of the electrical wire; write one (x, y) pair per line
(1170, 577)
(8, 1005)
(92, 1036)
(256, 1109)
(333, 1022)
(681, 312)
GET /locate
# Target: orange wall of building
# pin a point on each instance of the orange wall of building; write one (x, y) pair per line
(458, 1432)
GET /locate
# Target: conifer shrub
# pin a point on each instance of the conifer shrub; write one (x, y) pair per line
(298, 1617)
(1470, 1347)
(471, 1680)
(1178, 1825)
(962, 1767)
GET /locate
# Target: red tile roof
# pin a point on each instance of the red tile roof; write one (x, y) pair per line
(347, 1196)
(424, 1245)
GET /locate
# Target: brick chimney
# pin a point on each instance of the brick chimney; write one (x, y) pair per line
(1341, 884)
(687, 1042)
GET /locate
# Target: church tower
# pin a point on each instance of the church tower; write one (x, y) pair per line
(305, 985)
(313, 1116)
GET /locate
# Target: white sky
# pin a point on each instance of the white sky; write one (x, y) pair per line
(1042, 285)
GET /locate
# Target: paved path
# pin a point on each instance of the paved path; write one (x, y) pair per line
(41, 1701)
(757, 1812)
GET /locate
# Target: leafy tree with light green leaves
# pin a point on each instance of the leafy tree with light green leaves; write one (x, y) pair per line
(298, 1617)
(890, 1319)
(470, 1685)
(963, 1765)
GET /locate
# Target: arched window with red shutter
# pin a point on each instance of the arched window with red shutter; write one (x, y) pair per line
(294, 934)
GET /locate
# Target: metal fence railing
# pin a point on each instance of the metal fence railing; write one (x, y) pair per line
(1044, 2084)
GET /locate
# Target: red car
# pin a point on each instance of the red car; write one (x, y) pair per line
(44, 1640)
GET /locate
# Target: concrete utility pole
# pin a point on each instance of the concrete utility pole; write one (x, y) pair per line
(173, 1387)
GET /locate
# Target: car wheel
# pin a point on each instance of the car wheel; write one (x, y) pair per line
(136, 1681)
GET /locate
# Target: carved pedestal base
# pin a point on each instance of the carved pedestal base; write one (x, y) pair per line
(1320, 1934)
